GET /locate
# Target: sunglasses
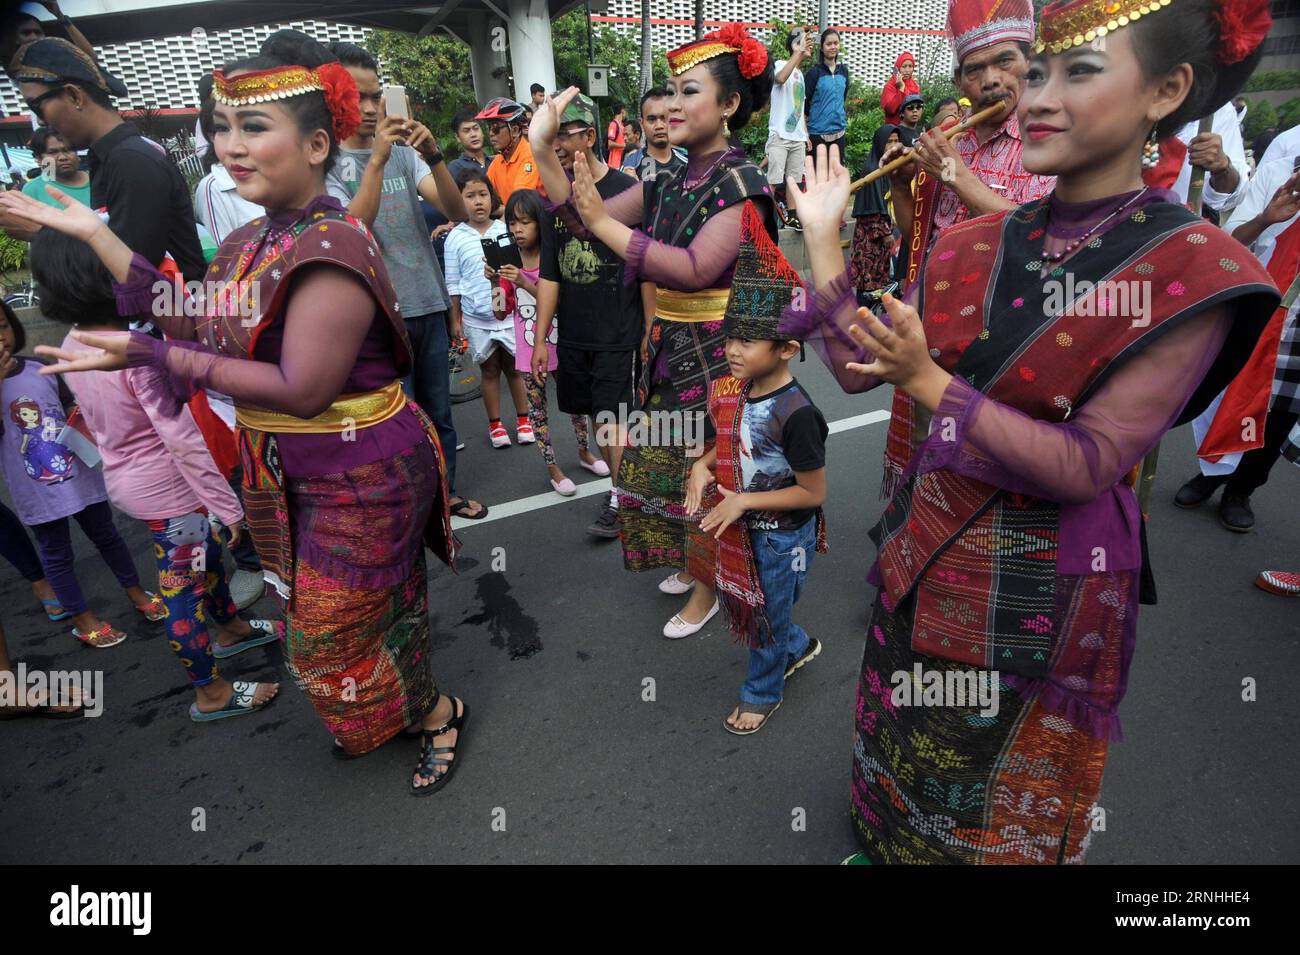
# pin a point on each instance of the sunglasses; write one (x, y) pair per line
(37, 105)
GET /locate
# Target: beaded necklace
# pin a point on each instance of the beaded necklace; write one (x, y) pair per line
(1072, 244)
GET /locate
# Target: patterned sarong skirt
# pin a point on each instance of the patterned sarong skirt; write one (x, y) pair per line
(358, 625)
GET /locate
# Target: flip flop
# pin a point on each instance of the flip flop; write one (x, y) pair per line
(264, 632)
(100, 639)
(764, 710)
(240, 704)
(153, 611)
(462, 509)
(55, 617)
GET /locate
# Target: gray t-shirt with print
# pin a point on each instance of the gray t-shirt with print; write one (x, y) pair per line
(399, 227)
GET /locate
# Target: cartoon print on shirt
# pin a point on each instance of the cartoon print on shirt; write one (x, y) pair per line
(44, 458)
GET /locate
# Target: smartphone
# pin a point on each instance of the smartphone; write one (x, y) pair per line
(508, 252)
(490, 255)
(395, 102)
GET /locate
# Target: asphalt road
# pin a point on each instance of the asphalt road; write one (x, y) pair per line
(564, 761)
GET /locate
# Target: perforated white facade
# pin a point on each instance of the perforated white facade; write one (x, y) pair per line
(872, 32)
(160, 74)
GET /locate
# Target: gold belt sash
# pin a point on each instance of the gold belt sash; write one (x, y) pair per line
(348, 412)
(706, 305)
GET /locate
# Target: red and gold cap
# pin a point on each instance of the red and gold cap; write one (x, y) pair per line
(1064, 25)
(732, 38)
(1243, 24)
(977, 24)
(265, 86)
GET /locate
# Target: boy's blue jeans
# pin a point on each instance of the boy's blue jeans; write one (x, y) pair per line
(783, 558)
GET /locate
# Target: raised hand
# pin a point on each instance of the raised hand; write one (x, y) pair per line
(112, 356)
(421, 139)
(585, 196)
(546, 119)
(77, 220)
(392, 131)
(1285, 202)
(900, 353)
(821, 206)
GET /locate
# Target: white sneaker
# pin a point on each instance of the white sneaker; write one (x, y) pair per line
(500, 437)
(677, 628)
(673, 584)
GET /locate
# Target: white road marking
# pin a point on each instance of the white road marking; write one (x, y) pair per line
(536, 502)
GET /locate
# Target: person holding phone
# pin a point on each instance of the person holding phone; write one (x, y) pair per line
(787, 132)
(902, 84)
(384, 169)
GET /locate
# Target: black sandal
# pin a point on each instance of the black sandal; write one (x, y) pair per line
(464, 508)
(432, 756)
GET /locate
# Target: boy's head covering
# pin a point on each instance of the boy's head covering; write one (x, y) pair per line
(976, 24)
(54, 61)
(763, 285)
(581, 109)
(911, 98)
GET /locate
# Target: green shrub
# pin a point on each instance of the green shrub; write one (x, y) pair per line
(1288, 114)
(1259, 117)
(1273, 80)
(13, 256)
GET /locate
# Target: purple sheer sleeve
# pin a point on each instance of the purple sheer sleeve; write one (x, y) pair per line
(628, 206)
(697, 266)
(1075, 461)
(823, 324)
(329, 315)
(141, 292)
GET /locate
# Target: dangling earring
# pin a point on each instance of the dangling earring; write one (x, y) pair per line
(1151, 151)
(726, 130)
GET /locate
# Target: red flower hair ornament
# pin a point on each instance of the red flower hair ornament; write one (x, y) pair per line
(342, 98)
(1243, 25)
(751, 56)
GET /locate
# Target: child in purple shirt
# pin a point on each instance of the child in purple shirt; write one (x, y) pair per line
(49, 484)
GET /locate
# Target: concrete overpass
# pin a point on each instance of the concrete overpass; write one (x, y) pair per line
(492, 29)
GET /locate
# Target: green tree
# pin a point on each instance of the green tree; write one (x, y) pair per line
(435, 71)
(621, 51)
(1259, 117)
(1288, 114)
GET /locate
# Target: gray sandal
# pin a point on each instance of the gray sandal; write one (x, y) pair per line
(764, 710)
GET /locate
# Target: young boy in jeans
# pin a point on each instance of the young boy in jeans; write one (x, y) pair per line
(769, 463)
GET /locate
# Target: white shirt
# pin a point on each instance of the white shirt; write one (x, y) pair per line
(1267, 180)
(1285, 145)
(219, 207)
(1225, 124)
(464, 267)
(785, 118)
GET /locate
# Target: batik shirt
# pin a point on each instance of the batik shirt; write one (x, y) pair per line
(996, 163)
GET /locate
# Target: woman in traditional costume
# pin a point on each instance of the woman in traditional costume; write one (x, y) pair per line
(871, 261)
(1011, 557)
(682, 232)
(344, 481)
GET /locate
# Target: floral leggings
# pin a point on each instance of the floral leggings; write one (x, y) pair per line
(536, 391)
(192, 582)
